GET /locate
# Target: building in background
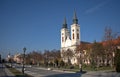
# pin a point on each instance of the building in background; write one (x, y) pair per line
(18, 58)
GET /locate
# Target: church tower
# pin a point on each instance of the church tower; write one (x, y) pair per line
(75, 31)
(64, 33)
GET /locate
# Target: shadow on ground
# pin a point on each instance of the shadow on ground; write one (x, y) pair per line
(23, 76)
(77, 74)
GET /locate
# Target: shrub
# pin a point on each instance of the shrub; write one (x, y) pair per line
(117, 60)
(62, 63)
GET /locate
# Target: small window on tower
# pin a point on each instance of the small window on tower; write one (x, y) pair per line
(66, 38)
(73, 35)
(73, 30)
(62, 39)
(77, 35)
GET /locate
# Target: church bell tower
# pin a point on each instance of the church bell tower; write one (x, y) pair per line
(75, 31)
(64, 33)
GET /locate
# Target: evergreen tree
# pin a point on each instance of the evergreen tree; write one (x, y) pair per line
(96, 54)
(117, 60)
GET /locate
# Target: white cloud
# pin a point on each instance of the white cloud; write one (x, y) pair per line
(95, 8)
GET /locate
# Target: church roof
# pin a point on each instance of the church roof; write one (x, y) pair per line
(64, 23)
(75, 20)
(84, 42)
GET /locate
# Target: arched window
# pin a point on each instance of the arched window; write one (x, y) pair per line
(62, 39)
(73, 36)
(65, 37)
(77, 35)
(73, 30)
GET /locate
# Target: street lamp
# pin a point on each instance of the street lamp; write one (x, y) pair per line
(24, 49)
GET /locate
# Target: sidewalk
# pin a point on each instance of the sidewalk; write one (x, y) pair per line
(4, 72)
(101, 74)
(56, 69)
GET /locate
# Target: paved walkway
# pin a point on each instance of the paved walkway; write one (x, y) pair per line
(4, 72)
(101, 74)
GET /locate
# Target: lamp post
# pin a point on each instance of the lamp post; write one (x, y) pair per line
(24, 49)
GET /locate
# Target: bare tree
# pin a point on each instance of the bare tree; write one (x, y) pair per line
(34, 57)
(67, 55)
(109, 36)
(83, 49)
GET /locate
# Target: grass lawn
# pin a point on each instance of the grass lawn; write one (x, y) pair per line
(17, 73)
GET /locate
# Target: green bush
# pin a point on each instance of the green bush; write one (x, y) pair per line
(117, 60)
(62, 63)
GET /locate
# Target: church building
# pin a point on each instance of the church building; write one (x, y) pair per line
(70, 41)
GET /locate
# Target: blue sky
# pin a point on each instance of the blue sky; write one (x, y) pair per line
(36, 24)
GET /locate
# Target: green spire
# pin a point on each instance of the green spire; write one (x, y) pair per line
(64, 23)
(75, 20)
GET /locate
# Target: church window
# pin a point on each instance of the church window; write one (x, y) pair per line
(84, 61)
(73, 35)
(73, 30)
(65, 37)
(62, 39)
(77, 35)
